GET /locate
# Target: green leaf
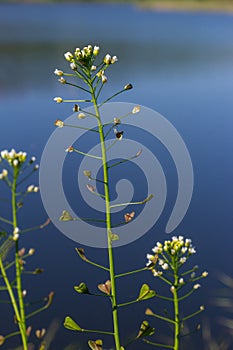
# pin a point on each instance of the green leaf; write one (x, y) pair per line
(96, 345)
(72, 325)
(145, 330)
(82, 288)
(146, 293)
(114, 236)
(65, 216)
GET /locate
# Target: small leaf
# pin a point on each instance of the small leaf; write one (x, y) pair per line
(66, 216)
(149, 312)
(81, 253)
(87, 173)
(82, 288)
(72, 325)
(105, 287)
(91, 188)
(146, 293)
(145, 330)
(96, 344)
(129, 216)
(114, 236)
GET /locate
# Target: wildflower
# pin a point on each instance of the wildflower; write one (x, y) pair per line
(31, 251)
(165, 266)
(157, 273)
(157, 250)
(59, 123)
(58, 99)
(36, 167)
(36, 189)
(15, 163)
(62, 80)
(183, 260)
(202, 307)
(16, 231)
(81, 116)
(196, 286)
(24, 293)
(32, 160)
(192, 250)
(184, 249)
(68, 56)
(172, 289)
(58, 72)
(15, 237)
(69, 149)
(93, 68)
(104, 79)
(30, 188)
(114, 59)
(96, 50)
(181, 281)
(128, 87)
(136, 109)
(193, 274)
(107, 59)
(73, 66)
(40, 333)
(204, 274)
(3, 174)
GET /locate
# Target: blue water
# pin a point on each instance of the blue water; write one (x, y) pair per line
(181, 65)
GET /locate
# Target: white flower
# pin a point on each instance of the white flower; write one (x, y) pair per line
(104, 79)
(114, 59)
(107, 59)
(36, 167)
(58, 72)
(81, 116)
(161, 262)
(68, 56)
(196, 286)
(59, 123)
(150, 256)
(93, 67)
(24, 293)
(70, 149)
(33, 159)
(36, 189)
(73, 66)
(183, 260)
(181, 281)
(96, 50)
(62, 80)
(172, 289)
(204, 274)
(15, 163)
(4, 154)
(31, 251)
(30, 188)
(136, 109)
(15, 237)
(202, 307)
(165, 266)
(184, 249)
(58, 99)
(157, 273)
(16, 231)
(193, 274)
(192, 250)
(157, 250)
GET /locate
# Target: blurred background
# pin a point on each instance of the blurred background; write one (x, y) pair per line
(180, 64)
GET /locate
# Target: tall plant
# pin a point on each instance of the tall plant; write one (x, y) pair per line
(16, 169)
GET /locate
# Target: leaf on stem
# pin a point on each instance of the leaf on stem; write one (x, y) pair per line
(95, 344)
(146, 293)
(82, 288)
(91, 188)
(81, 253)
(145, 330)
(105, 287)
(66, 216)
(87, 173)
(114, 236)
(129, 216)
(72, 325)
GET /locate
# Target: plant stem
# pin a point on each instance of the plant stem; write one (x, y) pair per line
(108, 220)
(21, 321)
(176, 307)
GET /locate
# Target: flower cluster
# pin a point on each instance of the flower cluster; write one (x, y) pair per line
(171, 255)
(13, 158)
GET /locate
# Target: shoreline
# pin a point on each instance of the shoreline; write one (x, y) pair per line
(192, 6)
(211, 7)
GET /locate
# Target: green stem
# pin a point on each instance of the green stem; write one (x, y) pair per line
(176, 307)
(21, 321)
(108, 221)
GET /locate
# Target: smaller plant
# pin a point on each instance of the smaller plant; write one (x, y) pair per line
(17, 169)
(167, 264)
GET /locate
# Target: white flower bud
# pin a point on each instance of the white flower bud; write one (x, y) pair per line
(68, 56)
(58, 72)
(107, 59)
(58, 99)
(96, 50)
